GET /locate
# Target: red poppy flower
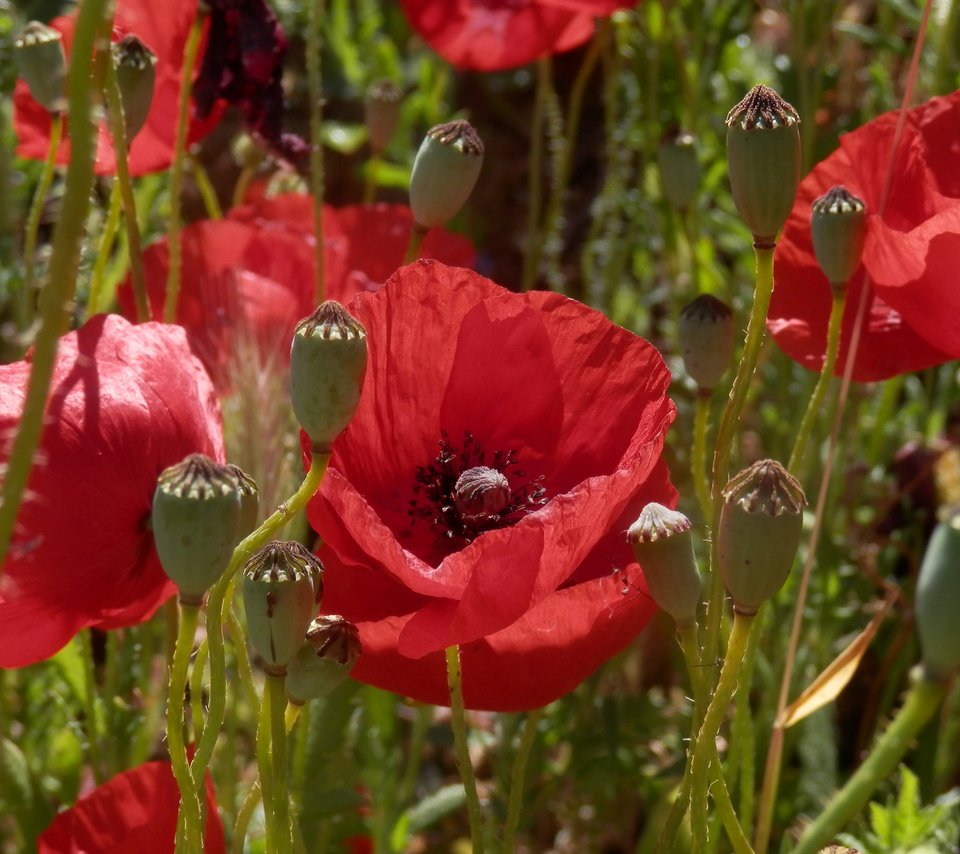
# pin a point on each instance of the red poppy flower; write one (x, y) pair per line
(126, 402)
(494, 35)
(558, 411)
(910, 252)
(135, 811)
(250, 277)
(163, 27)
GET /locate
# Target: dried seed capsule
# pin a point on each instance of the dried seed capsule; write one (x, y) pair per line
(382, 113)
(838, 225)
(196, 513)
(325, 660)
(706, 339)
(938, 595)
(663, 545)
(679, 168)
(38, 52)
(763, 154)
(445, 171)
(760, 526)
(282, 584)
(134, 63)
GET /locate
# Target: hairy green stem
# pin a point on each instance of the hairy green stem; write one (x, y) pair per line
(244, 814)
(459, 723)
(315, 11)
(517, 778)
(265, 766)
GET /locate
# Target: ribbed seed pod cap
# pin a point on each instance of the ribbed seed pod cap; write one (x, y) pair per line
(38, 51)
(382, 113)
(679, 168)
(249, 500)
(282, 584)
(445, 171)
(838, 225)
(706, 339)
(760, 526)
(328, 359)
(325, 660)
(763, 155)
(663, 545)
(134, 63)
(938, 601)
(196, 513)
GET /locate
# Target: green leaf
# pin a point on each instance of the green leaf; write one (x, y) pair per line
(436, 805)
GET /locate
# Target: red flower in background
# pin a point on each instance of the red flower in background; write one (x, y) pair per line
(570, 410)
(250, 276)
(494, 35)
(136, 811)
(126, 402)
(163, 27)
(910, 253)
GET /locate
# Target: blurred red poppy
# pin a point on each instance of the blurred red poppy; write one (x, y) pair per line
(126, 402)
(136, 811)
(163, 27)
(495, 35)
(909, 256)
(558, 411)
(249, 278)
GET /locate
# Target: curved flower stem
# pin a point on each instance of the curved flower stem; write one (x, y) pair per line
(33, 220)
(727, 428)
(107, 238)
(922, 702)
(531, 256)
(705, 750)
(219, 596)
(61, 277)
(517, 776)
(698, 454)
(196, 685)
(459, 723)
(190, 813)
(244, 814)
(190, 50)
(315, 11)
(417, 233)
(119, 134)
(826, 374)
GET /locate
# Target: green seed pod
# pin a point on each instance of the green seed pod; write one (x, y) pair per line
(838, 224)
(382, 113)
(249, 500)
(679, 168)
(134, 63)
(937, 598)
(444, 173)
(196, 510)
(663, 545)
(706, 339)
(324, 661)
(38, 52)
(282, 584)
(763, 154)
(760, 526)
(328, 359)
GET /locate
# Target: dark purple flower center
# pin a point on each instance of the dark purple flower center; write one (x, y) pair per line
(461, 493)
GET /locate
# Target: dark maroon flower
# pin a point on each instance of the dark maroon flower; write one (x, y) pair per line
(479, 497)
(126, 402)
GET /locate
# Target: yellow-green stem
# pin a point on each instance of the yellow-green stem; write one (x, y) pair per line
(823, 381)
(211, 204)
(265, 766)
(417, 233)
(276, 701)
(196, 687)
(517, 779)
(240, 188)
(244, 814)
(190, 51)
(698, 456)
(459, 723)
(92, 718)
(292, 715)
(315, 12)
(370, 184)
(107, 238)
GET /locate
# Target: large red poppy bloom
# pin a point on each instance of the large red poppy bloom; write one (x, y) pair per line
(250, 277)
(163, 27)
(910, 252)
(126, 402)
(135, 811)
(571, 410)
(494, 35)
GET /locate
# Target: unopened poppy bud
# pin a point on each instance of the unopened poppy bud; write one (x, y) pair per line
(328, 359)
(134, 63)
(679, 168)
(938, 601)
(282, 584)
(325, 660)
(760, 526)
(196, 512)
(382, 113)
(445, 171)
(480, 493)
(663, 546)
(39, 55)
(249, 500)
(838, 224)
(763, 155)
(706, 339)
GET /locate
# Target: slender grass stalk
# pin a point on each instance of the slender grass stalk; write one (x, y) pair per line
(517, 779)
(418, 739)
(61, 279)
(211, 204)
(459, 723)
(698, 454)
(315, 12)
(105, 247)
(91, 716)
(535, 173)
(190, 50)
